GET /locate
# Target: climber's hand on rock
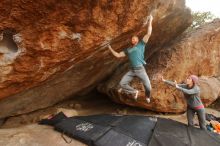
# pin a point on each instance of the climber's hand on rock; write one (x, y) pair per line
(160, 78)
(148, 20)
(109, 46)
(176, 84)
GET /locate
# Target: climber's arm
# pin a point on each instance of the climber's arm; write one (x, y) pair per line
(116, 54)
(149, 29)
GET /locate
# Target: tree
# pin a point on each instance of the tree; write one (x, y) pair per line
(200, 18)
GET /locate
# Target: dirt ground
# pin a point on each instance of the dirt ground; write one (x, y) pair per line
(90, 105)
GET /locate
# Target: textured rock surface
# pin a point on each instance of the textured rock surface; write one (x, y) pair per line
(210, 89)
(34, 135)
(197, 52)
(60, 49)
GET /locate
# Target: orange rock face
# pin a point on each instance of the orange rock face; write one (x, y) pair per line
(196, 53)
(210, 89)
(56, 49)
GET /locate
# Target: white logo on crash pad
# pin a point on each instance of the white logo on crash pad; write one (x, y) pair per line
(84, 127)
(133, 143)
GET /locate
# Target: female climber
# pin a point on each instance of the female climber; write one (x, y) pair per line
(191, 93)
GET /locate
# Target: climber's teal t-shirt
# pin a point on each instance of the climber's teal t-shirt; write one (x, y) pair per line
(136, 54)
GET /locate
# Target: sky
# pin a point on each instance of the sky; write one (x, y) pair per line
(205, 5)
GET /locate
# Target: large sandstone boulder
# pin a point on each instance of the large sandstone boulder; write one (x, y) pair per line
(210, 89)
(35, 135)
(197, 53)
(52, 50)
